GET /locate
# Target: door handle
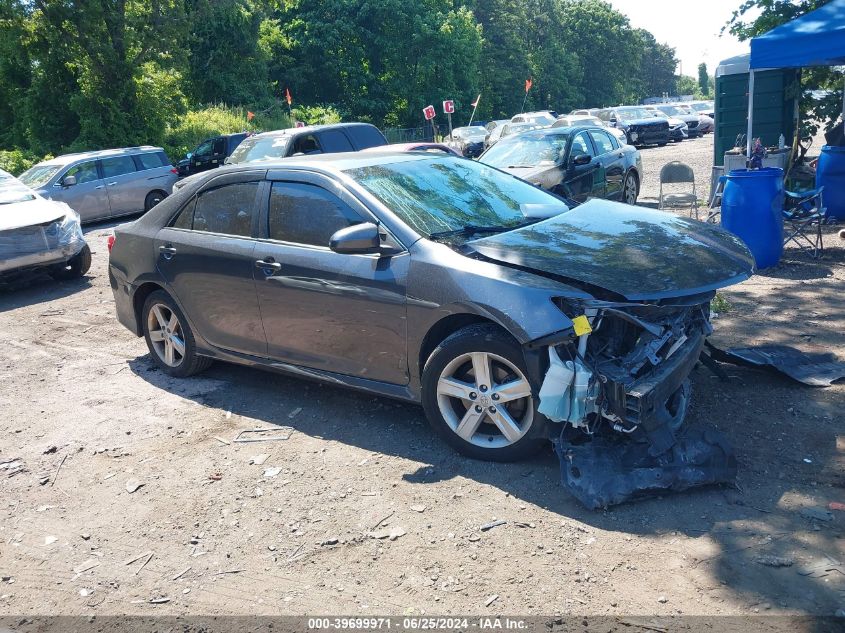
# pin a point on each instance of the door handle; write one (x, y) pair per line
(112, 184)
(99, 187)
(167, 251)
(269, 266)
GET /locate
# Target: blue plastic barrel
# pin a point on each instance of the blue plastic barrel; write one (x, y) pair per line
(830, 174)
(752, 209)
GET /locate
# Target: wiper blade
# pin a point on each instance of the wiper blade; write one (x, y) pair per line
(472, 229)
(519, 166)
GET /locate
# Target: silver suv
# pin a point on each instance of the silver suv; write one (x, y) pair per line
(107, 183)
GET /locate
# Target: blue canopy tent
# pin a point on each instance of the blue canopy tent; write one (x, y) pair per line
(814, 39)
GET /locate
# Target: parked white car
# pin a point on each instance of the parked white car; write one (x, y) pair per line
(36, 233)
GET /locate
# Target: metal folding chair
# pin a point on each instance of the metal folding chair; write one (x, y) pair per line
(675, 173)
(803, 220)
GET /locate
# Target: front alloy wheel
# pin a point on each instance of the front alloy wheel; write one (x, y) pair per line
(478, 398)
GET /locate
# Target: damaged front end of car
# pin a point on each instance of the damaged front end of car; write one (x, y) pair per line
(620, 386)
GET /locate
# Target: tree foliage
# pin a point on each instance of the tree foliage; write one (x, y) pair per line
(86, 74)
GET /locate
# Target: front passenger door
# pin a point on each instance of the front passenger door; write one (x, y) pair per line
(330, 311)
(88, 196)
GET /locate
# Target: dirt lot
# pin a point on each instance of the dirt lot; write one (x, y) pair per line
(85, 414)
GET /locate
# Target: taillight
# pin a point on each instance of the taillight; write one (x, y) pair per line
(110, 242)
(174, 171)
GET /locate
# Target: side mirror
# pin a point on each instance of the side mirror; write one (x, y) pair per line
(361, 239)
(68, 181)
(189, 155)
(582, 159)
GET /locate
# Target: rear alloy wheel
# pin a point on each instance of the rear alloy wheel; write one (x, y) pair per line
(169, 337)
(630, 189)
(75, 267)
(477, 396)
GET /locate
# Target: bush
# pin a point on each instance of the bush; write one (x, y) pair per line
(17, 161)
(197, 125)
(316, 115)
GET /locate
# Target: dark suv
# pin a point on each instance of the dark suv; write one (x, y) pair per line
(315, 139)
(641, 127)
(211, 153)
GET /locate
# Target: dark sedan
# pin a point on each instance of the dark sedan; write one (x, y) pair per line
(577, 163)
(468, 141)
(431, 279)
(639, 125)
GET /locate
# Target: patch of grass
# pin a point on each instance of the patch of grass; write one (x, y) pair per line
(720, 305)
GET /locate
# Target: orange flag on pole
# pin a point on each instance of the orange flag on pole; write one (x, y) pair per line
(474, 104)
(288, 96)
(250, 115)
(528, 84)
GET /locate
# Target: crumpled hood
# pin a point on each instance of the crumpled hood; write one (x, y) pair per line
(634, 252)
(37, 211)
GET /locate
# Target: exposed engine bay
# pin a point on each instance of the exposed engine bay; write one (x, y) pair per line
(620, 388)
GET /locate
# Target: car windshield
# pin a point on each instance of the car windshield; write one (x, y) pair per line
(527, 151)
(701, 107)
(444, 194)
(671, 110)
(632, 114)
(475, 132)
(39, 175)
(256, 148)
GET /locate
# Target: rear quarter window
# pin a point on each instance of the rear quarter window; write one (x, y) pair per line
(364, 136)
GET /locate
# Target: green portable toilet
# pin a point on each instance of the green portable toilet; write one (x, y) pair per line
(776, 95)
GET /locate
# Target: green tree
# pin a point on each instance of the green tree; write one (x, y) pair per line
(703, 80)
(226, 62)
(657, 69)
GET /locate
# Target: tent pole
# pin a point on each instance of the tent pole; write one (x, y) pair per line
(843, 96)
(750, 112)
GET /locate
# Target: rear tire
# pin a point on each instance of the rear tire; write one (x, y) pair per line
(477, 396)
(152, 199)
(75, 267)
(630, 189)
(169, 337)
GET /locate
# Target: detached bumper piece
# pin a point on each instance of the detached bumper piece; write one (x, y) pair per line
(607, 471)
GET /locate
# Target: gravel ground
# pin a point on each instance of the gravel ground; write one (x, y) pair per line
(361, 511)
(695, 152)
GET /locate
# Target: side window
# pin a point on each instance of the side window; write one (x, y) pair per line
(84, 172)
(307, 214)
(335, 141)
(186, 216)
(204, 149)
(117, 166)
(148, 161)
(219, 146)
(229, 209)
(165, 161)
(581, 145)
(364, 136)
(602, 141)
(305, 144)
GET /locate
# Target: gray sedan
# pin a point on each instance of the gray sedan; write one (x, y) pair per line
(431, 279)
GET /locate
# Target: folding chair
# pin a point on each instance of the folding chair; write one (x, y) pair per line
(675, 173)
(803, 220)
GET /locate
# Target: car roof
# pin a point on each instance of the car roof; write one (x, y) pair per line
(290, 131)
(102, 153)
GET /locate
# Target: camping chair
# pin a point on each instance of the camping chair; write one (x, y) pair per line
(803, 220)
(678, 173)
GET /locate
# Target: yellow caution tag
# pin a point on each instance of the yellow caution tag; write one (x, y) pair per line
(581, 325)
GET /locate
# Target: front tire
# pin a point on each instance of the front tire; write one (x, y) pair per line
(75, 267)
(477, 396)
(169, 337)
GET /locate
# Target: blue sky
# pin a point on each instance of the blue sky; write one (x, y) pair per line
(690, 26)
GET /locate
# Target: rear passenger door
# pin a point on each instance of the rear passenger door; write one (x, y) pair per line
(206, 257)
(121, 180)
(612, 161)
